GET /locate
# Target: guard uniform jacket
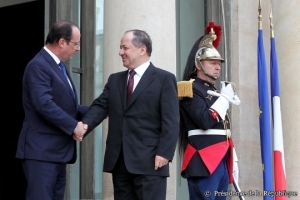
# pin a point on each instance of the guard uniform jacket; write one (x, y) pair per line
(204, 152)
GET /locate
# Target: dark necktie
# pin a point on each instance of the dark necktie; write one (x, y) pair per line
(130, 85)
(64, 70)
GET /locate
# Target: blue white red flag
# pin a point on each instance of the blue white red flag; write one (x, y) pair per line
(279, 162)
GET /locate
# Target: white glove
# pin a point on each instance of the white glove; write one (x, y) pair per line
(222, 103)
(227, 91)
(221, 106)
(235, 167)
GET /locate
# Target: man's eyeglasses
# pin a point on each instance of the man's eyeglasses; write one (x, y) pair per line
(77, 44)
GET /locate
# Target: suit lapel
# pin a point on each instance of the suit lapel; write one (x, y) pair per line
(56, 68)
(65, 80)
(145, 81)
(123, 87)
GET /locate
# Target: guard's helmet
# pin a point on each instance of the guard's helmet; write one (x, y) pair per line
(208, 44)
(208, 53)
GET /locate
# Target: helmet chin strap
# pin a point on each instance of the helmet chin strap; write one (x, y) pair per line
(206, 74)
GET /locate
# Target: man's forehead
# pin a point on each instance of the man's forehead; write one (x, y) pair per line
(126, 41)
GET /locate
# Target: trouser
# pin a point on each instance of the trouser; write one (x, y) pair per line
(212, 187)
(45, 180)
(128, 186)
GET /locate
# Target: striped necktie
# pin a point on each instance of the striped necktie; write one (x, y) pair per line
(130, 85)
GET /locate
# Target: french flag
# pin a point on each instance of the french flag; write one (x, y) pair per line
(279, 162)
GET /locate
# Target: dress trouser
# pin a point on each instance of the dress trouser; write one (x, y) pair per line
(128, 186)
(45, 180)
(211, 187)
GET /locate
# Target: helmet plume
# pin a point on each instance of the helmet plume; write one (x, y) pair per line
(218, 32)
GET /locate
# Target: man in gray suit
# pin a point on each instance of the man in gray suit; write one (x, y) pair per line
(143, 114)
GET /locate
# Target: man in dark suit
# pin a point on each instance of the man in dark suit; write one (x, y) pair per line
(47, 141)
(143, 126)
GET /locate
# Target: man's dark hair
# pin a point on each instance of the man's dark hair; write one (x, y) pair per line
(141, 38)
(60, 29)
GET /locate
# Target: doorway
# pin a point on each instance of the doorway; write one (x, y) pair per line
(22, 36)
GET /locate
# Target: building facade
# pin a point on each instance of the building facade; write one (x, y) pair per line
(174, 26)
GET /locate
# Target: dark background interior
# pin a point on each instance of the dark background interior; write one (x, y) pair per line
(22, 36)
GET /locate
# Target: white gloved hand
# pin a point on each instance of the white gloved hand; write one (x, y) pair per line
(222, 103)
(227, 90)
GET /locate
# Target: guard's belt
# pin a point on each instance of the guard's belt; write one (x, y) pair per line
(226, 132)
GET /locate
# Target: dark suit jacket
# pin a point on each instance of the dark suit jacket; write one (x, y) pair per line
(148, 126)
(51, 112)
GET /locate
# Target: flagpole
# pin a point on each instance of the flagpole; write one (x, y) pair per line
(225, 42)
(259, 16)
(264, 117)
(279, 161)
(271, 23)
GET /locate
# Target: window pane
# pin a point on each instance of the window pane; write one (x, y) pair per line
(98, 90)
(191, 20)
(74, 169)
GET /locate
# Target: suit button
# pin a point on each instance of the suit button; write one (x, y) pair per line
(121, 134)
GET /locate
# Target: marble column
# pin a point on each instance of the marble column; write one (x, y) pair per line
(286, 17)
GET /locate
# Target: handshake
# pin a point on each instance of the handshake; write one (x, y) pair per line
(79, 131)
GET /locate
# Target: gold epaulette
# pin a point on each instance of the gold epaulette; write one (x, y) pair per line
(185, 88)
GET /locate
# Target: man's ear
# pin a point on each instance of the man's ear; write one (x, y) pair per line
(61, 42)
(143, 50)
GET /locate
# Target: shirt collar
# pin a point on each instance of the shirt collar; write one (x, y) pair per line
(56, 59)
(140, 70)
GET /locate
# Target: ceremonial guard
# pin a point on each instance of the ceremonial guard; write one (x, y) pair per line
(205, 139)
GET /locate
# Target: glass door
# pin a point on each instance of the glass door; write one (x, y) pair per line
(190, 23)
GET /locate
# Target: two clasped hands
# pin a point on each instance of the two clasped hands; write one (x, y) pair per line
(79, 131)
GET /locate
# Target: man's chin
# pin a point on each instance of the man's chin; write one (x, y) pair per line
(126, 65)
(216, 76)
